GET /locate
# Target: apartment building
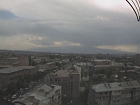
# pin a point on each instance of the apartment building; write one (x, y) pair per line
(50, 65)
(121, 93)
(70, 82)
(20, 61)
(137, 60)
(102, 62)
(41, 95)
(106, 67)
(13, 74)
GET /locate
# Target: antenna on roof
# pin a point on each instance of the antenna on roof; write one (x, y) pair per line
(135, 5)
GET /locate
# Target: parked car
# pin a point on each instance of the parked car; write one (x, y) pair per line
(14, 96)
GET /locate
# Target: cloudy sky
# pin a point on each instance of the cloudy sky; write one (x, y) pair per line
(74, 26)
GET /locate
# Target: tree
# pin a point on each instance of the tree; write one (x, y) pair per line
(34, 63)
(109, 73)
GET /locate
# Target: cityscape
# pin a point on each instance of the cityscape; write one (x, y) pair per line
(45, 78)
(69, 52)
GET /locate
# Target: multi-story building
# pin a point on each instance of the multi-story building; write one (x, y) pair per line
(70, 82)
(20, 61)
(41, 95)
(137, 60)
(102, 62)
(121, 93)
(86, 67)
(106, 67)
(50, 65)
(13, 74)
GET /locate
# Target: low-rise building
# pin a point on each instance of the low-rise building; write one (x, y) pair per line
(20, 61)
(41, 95)
(49, 65)
(121, 93)
(137, 60)
(106, 67)
(102, 62)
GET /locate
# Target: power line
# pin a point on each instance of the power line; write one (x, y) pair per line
(135, 5)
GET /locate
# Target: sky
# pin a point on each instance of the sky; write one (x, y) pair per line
(71, 26)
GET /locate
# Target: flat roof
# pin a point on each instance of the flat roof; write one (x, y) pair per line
(27, 67)
(15, 69)
(64, 73)
(101, 60)
(106, 65)
(10, 58)
(104, 87)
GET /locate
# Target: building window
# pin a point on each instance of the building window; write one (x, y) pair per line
(63, 79)
(59, 80)
(55, 79)
(100, 93)
(71, 77)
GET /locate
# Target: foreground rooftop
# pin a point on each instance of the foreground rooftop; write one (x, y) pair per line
(116, 86)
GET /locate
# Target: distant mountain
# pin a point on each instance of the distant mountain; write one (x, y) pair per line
(81, 50)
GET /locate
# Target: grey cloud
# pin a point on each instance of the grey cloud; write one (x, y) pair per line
(88, 26)
(6, 15)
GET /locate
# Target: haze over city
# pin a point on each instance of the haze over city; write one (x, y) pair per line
(81, 26)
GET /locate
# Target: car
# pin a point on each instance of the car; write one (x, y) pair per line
(21, 89)
(14, 96)
(9, 100)
(30, 86)
(5, 97)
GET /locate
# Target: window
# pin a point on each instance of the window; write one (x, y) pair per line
(59, 79)
(100, 93)
(55, 79)
(63, 79)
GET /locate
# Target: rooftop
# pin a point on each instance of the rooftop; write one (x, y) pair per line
(10, 58)
(64, 73)
(116, 86)
(83, 64)
(107, 65)
(102, 60)
(106, 87)
(40, 95)
(15, 69)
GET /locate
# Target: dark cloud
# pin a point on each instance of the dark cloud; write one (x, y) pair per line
(90, 27)
(4, 14)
